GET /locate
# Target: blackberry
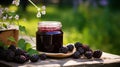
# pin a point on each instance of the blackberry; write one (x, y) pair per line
(34, 58)
(12, 47)
(63, 50)
(20, 59)
(1, 48)
(88, 54)
(81, 50)
(86, 48)
(43, 56)
(70, 47)
(27, 56)
(76, 55)
(2, 55)
(9, 54)
(1, 52)
(97, 54)
(78, 44)
(19, 52)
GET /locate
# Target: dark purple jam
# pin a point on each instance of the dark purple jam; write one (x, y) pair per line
(49, 40)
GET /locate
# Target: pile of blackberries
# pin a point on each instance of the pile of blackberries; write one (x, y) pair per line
(17, 55)
(14, 54)
(81, 50)
(84, 50)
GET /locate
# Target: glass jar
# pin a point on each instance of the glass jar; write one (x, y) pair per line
(49, 37)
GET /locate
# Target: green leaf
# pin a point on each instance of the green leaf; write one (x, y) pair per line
(32, 51)
(22, 44)
(11, 39)
(4, 25)
(22, 28)
(27, 46)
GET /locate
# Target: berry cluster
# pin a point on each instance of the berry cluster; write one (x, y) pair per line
(81, 50)
(13, 54)
(84, 50)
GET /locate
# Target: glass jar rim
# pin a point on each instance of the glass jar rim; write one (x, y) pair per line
(49, 26)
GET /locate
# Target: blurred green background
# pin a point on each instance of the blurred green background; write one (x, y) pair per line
(92, 22)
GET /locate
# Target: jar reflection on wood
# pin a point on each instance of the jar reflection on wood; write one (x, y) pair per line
(49, 37)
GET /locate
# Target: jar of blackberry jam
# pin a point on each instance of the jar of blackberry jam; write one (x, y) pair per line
(49, 37)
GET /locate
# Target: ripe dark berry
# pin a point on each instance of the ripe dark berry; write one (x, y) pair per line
(34, 58)
(43, 56)
(12, 47)
(88, 54)
(9, 54)
(86, 48)
(97, 54)
(81, 50)
(78, 44)
(27, 56)
(1, 52)
(70, 47)
(1, 48)
(63, 50)
(3, 55)
(19, 52)
(76, 55)
(20, 59)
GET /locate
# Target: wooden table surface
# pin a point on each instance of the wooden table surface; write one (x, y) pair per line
(107, 60)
